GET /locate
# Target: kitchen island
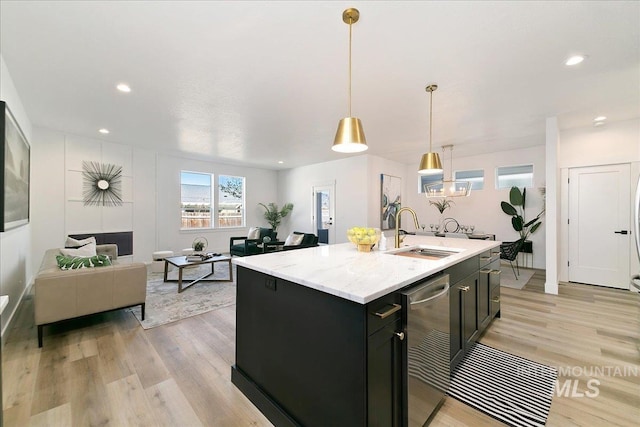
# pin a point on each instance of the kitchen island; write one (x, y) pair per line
(319, 330)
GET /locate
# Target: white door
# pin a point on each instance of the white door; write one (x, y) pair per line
(599, 225)
(324, 212)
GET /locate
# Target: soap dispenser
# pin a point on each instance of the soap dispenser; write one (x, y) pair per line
(382, 244)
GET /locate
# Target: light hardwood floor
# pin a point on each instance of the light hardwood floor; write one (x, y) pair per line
(108, 371)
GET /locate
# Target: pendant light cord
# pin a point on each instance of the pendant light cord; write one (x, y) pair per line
(350, 25)
(430, 117)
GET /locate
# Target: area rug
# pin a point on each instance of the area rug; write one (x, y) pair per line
(164, 304)
(509, 388)
(508, 279)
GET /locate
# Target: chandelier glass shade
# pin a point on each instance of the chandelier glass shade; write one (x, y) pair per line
(448, 187)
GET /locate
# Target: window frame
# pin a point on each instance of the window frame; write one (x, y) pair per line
(212, 199)
(472, 180)
(436, 177)
(528, 185)
(243, 212)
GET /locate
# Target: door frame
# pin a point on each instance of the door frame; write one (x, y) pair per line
(331, 185)
(564, 201)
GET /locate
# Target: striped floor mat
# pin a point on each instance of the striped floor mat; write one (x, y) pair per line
(509, 388)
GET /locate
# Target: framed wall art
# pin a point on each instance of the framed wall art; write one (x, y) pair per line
(14, 180)
(390, 200)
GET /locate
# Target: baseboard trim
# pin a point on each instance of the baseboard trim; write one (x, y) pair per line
(261, 400)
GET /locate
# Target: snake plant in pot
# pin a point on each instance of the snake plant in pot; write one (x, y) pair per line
(516, 209)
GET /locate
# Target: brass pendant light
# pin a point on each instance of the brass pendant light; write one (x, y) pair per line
(430, 163)
(448, 187)
(350, 135)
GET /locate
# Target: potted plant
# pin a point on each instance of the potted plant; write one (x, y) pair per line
(516, 209)
(274, 215)
(442, 205)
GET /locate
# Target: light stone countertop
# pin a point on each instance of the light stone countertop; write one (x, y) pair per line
(361, 277)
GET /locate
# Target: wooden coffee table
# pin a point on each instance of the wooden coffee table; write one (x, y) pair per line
(181, 262)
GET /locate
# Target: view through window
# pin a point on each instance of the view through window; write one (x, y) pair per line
(196, 199)
(230, 201)
(475, 177)
(514, 176)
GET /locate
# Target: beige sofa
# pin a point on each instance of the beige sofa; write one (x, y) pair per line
(66, 294)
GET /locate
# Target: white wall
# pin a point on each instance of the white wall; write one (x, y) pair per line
(353, 193)
(47, 192)
(482, 207)
(617, 142)
(261, 187)
(379, 166)
(15, 244)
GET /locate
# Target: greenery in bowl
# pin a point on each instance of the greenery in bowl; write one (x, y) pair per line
(442, 205)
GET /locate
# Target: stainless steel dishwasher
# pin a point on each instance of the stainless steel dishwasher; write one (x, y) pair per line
(426, 305)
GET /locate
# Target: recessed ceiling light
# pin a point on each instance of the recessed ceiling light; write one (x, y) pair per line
(596, 124)
(574, 60)
(280, 162)
(600, 119)
(122, 87)
(104, 131)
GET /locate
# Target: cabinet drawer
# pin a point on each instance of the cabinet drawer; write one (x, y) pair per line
(495, 300)
(459, 271)
(494, 277)
(490, 256)
(383, 311)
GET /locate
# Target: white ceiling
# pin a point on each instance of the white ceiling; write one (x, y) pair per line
(259, 82)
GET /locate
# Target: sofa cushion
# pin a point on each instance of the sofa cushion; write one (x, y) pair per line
(309, 239)
(74, 262)
(253, 233)
(265, 232)
(87, 250)
(73, 243)
(294, 239)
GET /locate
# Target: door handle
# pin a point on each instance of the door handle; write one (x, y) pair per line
(621, 232)
(464, 288)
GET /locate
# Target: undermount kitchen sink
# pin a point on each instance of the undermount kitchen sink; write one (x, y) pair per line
(424, 252)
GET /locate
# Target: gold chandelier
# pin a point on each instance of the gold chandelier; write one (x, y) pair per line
(430, 163)
(448, 187)
(350, 135)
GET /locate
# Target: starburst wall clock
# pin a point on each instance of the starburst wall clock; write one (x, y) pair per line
(102, 184)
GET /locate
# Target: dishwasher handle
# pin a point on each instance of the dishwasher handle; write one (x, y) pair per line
(431, 298)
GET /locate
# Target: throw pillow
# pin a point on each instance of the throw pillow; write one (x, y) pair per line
(75, 262)
(86, 250)
(293, 239)
(254, 233)
(73, 243)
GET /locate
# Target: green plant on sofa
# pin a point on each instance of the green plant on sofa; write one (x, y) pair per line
(516, 209)
(274, 215)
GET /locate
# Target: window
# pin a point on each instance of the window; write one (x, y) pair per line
(196, 199)
(429, 179)
(230, 201)
(514, 176)
(475, 177)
